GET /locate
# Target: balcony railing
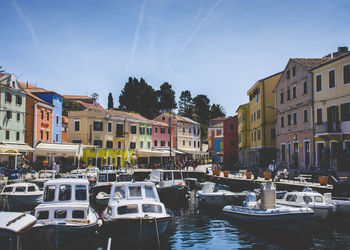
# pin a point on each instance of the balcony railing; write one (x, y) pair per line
(328, 127)
(122, 135)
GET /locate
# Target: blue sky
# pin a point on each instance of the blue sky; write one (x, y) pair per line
(218, 48)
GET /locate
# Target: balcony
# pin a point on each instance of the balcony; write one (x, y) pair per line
(328, 127)
(122, 135)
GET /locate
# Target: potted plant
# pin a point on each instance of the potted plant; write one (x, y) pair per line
(248, 174)
(226, 173)
(267, 175)
(323, 180)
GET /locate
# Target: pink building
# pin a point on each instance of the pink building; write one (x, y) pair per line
(161, 135)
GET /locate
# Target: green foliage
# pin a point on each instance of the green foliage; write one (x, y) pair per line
(216, 110)
(110, 101)
(201, 111)
(70, 105)
(166, 98)
(94, 96)
(186, 104)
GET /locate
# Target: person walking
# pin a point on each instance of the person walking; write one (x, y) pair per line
(272, 168)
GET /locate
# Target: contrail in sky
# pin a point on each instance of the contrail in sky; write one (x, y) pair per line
(136, 36)
(196, 16)
(194, 33)
(28, 24)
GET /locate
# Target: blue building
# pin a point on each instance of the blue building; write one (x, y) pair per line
(54, 99)
(218, 149)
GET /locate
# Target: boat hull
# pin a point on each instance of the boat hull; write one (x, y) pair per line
(20, 201)
(175, 192)
(320, 212)
(142, 229)
(216, 200)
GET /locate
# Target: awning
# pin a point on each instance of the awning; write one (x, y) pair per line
(172, 150)
(219, 153)
(59, 149)
(14, 148)
(150, 153)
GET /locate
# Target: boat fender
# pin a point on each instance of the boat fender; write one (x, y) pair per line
(99, 222)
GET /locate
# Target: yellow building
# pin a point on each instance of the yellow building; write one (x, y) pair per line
(243, 113)
(262, 121)
(116, 134)
(332, 113)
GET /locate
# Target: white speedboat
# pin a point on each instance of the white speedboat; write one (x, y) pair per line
(217, 195)
(23, 195)
(135, 212)
(266, 212)
(44, 176)
(64, 216)
(13, 229)
(310, 199)
(170, 184)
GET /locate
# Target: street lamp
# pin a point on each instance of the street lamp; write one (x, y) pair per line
(169, 131)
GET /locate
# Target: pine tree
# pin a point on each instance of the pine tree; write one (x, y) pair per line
(186, 104)
(110, 101)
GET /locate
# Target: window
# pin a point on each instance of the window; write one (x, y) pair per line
(345, 112)
(305, 87)
(18, 116)
(189, 143)
(155, 143)
(42, 114)
(149, 131)
(56, 137)
(288, 74)
(20, 189)
(293, 71)
(76, 141)
(98, 126)
(41, 135)
(295, 118)
(119, 144)
(283, 152)
(288, 94)
(76, 125)
(128, 209)
(98, 143)
(273, 134)
(194, 144)
(151, 208)
(331, 79)
(254, 116)
(47, 116)
(43, 215)
(282, 121)
(18, 100)
(109, 127)
(305, 115)
(163, 118)
(109, 144)
(49, 193)
(119, 132)
(254, 135)
(232, 126)
(156, 130)
(78, 214)
(47, 135)
(183, 142)
(162, 143)
(294, 92)
(251, 117)
(232, 143)
(289, 119)
(135, 191)
(149, 192)
(148, 144)
(346, 74)
(57, 120)
(258, 114)
(81, 193)
(183, 129)
(141, 144)
(31, 189)
(8, 97)
(8, 115)
(169, 144)
(60, 214)
(132, 145)
(65, 193)
(142, 130)
(258, 135)
(282, 97)
(17, 136)
(162, 130)
(319, 115)
(318, 83)
(133, 129)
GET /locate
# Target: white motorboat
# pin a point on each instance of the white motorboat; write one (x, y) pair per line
(170, 184)
(135, 211)
(23, 195)
(102, 188)
(267, 213)
(310, 199)
(92, 172)
(341, 204)
(64, 216)
(13, 229)
(44, 176)
(217, 195)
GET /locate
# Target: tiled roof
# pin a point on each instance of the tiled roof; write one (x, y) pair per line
(218, 119)
(77, 97)
(310, 63)
(37, 98)
(34, 89)
(127, 115)
(160, 123)
(89, 105)
(218, 125)
(332, 60)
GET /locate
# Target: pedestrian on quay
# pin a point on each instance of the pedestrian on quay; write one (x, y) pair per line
(272, 168)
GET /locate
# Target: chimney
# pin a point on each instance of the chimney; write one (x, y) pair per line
(341, 51)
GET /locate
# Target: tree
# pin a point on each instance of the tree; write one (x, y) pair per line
(1, 70)
(110, 101)
(216, 110)
(201, 111)
(186, 104)
(139, 97)
(70, 105)
(166, 98)
(94, 96)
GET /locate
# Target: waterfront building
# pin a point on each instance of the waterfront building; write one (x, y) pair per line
(64, 129)
(215, 129)
(218, 154)
(262, 121)
(332, 113)
(294, 123)
(231, 142)
(55, 100)
(162, 135)
(243, 130)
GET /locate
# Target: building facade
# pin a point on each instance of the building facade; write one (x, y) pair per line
(262, 121)
(332, 114)
(294, 121)
(231, 142)
(161, 135)
(243, 130)
(218, 154)
(214, 130)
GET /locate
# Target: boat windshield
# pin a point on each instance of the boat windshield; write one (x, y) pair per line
(167, 176)
(149, 192)
(151, 208)
(112, 177)
(124, 177)
(7, 240)
(251, 198)
(80, 193)
(307, 199)
(65, 193)
(291, 197)
(20, 189)
(128, 209)
(177, 176)
(7, 190)
(31, 189)
(318, 199)
(135, 191)
(49, 194)
(119, 192)
(102, 178)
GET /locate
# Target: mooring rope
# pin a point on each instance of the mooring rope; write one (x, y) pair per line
(155, 219)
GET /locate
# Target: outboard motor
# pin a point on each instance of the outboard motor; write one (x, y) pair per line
(268, 195)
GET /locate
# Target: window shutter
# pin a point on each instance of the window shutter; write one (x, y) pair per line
(342, 112)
